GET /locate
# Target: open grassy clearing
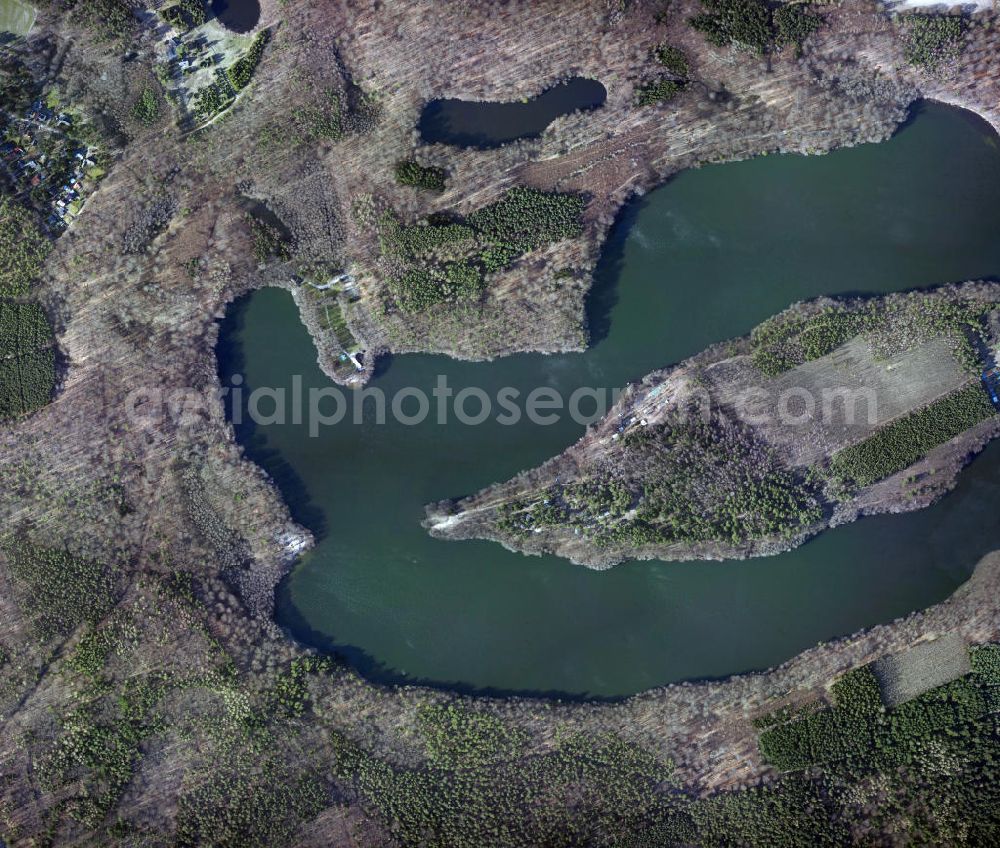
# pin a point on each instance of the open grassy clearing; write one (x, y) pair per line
(818, 407)
(206, 67)
(903, 676)
(16, 17)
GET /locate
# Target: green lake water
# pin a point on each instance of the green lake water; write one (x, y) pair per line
(699, 260)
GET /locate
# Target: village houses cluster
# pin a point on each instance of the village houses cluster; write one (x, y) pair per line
(44, 167)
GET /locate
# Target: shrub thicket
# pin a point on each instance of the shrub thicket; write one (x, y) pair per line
(857, 693)
(449, 258)
(684, 480)
(323, 119)
(525, 218)
(268, 242)
(673, 59)
(929, 40)
(658, 91)
(211, 100)
(57, 590)
(421, 288)
(746, 23)
(112, 19)
(23, 249)
(18, 87)
(933, 763)
(98, 749)
(147, 108)
(480, 787)
(185, 14)
(413, 173)
(793, 24)
(421, 240)
(241, 71)
(23, 329)
(751, 24)
(844, 731)
(458, 737)
(947, 730)
(27, 383)
(985, 661)
(262, 807)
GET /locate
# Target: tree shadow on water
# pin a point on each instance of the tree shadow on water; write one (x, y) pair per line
(288, 616)
(231, 361)
(382, 365)
(304, 510)
(603, 295)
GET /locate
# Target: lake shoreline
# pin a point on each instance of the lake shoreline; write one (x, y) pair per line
(600, 218)
(365, 655)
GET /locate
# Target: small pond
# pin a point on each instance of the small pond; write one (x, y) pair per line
(237, 15)
(466, 123)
